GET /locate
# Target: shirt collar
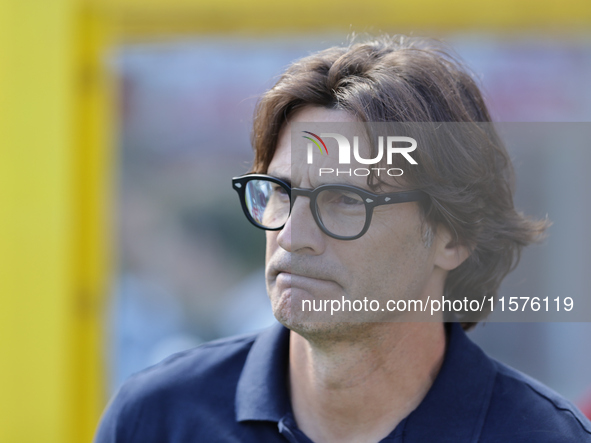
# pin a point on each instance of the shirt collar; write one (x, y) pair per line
(262, 392)
(454, 409)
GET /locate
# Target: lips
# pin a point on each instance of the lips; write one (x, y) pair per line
(312, 285)
(298, 272)
(301, 271)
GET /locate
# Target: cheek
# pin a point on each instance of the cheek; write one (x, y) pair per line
(390, 259)
(271, 240)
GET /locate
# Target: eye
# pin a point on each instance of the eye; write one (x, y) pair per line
(348, 200)
(343, 198)
(279, 189)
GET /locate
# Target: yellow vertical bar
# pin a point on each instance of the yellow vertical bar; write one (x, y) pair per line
(36, 222)
(93, 196)
(53, 207)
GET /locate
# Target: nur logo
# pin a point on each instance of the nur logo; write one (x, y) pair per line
(344, 146)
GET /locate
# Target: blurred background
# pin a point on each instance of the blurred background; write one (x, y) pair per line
(122, 123)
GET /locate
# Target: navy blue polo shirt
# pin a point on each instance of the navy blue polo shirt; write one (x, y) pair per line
(235, 390)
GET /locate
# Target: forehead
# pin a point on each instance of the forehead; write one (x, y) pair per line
(289, 164)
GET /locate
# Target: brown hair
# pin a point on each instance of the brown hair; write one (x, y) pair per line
(467, 174)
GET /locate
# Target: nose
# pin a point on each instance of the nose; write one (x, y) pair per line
(301, 233)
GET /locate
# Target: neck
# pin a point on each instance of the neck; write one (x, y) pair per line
(359, 387)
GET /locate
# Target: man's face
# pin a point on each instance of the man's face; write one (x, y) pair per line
(390, 261)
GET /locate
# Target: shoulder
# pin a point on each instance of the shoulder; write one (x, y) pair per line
(180, 389)
(222, 359)
(523, 410)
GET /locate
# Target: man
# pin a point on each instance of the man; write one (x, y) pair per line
(443, 227)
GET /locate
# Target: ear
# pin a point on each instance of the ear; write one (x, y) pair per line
(449, 253)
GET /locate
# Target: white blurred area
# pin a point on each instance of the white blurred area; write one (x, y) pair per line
(191, 266)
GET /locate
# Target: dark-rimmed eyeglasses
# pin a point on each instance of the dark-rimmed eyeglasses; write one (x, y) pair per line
(341, 211)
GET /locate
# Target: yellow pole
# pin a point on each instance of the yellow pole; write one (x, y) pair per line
(94, 181)
(52, 218)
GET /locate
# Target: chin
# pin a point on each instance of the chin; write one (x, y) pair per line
(332, 332)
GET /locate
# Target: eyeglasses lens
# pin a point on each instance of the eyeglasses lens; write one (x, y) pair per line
(342, 212)
(267, 203)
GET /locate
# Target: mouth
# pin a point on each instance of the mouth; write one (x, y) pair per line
(295, 272)
(280, 265)
(299, 275)
(285, 266)
(309, 282)
(289, 282)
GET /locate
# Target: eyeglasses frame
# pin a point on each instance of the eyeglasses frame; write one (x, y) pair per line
(370, 200)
